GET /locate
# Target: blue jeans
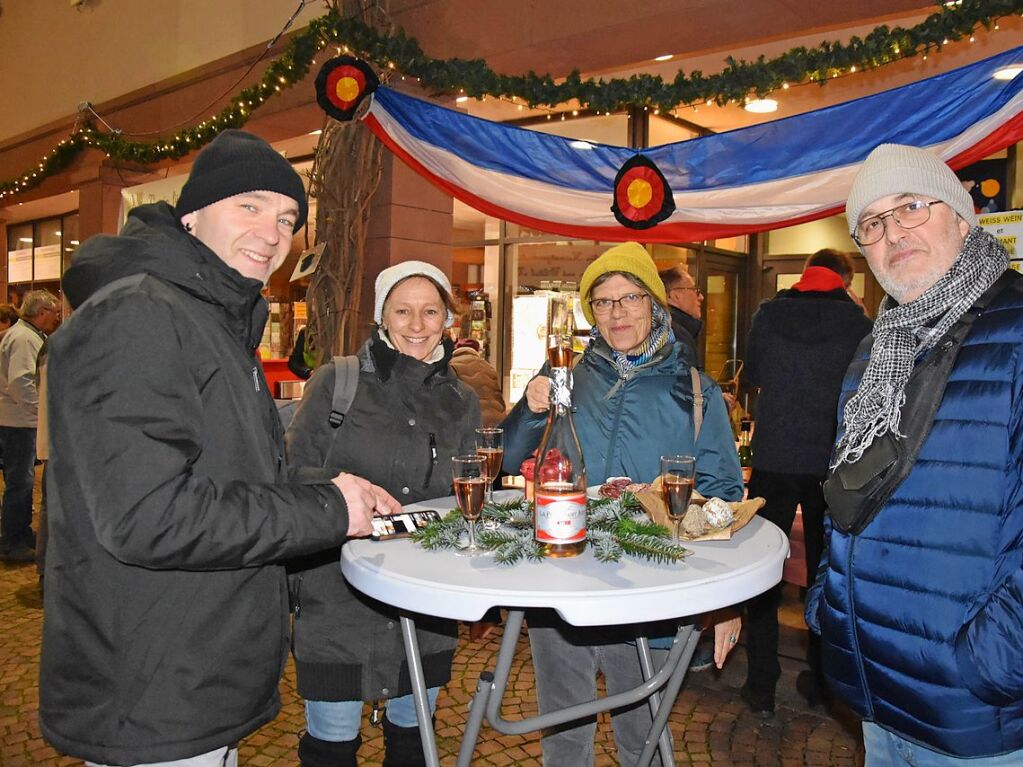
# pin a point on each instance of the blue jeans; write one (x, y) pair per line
(338, 721)
(886, 749)
(18, 446)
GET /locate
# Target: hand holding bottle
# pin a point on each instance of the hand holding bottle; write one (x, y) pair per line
(538, 394)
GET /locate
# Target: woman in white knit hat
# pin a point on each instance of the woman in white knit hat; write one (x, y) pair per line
(409, 417)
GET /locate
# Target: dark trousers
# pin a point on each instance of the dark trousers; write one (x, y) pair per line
(18, 446)
(783, 492)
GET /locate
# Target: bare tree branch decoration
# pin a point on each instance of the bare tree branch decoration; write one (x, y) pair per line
(345, 174)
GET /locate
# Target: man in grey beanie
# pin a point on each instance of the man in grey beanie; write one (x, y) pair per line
(171, 510)
(919, 596)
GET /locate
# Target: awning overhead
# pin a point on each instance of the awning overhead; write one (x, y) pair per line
(763, 177)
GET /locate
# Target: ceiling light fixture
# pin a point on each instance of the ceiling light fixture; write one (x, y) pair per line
(665, 57)
(761, 106)
(461, 99)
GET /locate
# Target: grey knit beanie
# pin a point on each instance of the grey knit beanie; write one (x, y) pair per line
(236, 162)
(899, 169)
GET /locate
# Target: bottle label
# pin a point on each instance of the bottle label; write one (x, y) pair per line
(561, 387)
(560, 519)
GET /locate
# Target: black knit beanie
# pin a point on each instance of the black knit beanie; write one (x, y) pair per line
(236, 162)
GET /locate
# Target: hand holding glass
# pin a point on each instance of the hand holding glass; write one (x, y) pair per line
(490, 447)
(678, 474)
(470, 477)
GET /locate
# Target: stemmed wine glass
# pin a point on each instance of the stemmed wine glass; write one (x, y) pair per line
(678, 473)
(490, 447)
(470, 477)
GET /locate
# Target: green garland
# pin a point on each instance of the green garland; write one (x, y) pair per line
(737, 81)
(614, 528)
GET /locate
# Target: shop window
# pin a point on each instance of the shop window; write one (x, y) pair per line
(38, 253)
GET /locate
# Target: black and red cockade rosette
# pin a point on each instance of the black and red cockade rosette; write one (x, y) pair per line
(642, 197)
(342, 84)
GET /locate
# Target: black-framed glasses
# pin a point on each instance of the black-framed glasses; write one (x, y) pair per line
(630, 302)
(909, 215)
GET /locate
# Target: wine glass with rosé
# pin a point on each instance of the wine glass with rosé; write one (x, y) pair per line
(470, 476)
(678, 474)
(490, 447)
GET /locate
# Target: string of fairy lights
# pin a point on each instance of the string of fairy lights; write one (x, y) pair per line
(395, 54)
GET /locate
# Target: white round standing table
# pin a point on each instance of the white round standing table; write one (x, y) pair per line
(582, 590)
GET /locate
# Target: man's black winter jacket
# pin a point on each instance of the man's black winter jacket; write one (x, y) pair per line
(166, 612)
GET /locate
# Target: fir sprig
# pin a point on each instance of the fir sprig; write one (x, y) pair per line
(615, 527)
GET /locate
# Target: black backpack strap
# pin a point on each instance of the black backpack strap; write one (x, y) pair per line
(346, 381)
(856, 492)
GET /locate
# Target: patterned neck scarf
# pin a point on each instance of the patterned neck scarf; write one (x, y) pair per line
(660, 335)
(902, 333)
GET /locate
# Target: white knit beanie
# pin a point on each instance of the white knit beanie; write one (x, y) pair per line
(392, 275)
(898, 169)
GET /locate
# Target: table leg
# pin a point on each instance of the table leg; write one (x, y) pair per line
(415, 670)
(646, 664)
(489, 682)
(477, 710)
(580, 710)
(671, 689)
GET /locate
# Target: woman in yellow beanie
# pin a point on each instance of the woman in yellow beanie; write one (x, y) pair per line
(633, 399)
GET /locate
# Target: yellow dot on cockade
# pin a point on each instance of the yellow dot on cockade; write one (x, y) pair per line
(640, 193)
(989, 187)
(347, 88)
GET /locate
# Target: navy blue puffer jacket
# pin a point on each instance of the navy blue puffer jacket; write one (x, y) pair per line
(921, 614)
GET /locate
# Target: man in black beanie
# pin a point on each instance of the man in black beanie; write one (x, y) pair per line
(170, 509)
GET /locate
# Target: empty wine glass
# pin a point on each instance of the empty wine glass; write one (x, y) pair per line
(470, 476)
(490, 447)
(678, 473)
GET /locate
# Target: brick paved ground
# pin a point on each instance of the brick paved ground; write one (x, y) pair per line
(710, 724)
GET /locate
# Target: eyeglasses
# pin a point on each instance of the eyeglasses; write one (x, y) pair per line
(908, 215)
(630, 302)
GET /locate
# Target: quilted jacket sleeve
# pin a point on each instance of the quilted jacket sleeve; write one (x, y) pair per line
(128, 417)
(815, 595)
(987, 647)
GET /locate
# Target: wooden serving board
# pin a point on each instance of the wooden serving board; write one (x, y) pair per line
(744, 511)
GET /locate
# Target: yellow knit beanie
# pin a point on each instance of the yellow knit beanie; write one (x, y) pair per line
(629, 257)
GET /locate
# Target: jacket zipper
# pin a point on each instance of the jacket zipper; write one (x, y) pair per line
(298, 595)
(432, 462)
(614, 431)
(255, 378)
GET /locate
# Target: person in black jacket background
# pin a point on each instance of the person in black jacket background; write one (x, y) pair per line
(800, 344)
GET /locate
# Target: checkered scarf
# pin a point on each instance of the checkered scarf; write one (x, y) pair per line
(903, 333)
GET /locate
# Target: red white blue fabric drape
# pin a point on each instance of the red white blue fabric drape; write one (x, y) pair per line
(763, 177)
